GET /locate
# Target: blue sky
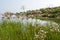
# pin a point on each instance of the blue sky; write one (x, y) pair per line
(15, 5)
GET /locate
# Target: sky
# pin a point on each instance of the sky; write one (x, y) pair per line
(16, 5)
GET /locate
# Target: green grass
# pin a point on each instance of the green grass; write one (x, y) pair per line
(17, 31)
(50, 19)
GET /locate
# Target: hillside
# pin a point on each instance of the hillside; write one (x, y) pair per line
(53, 12)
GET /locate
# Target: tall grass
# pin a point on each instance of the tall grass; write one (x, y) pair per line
(18, 31)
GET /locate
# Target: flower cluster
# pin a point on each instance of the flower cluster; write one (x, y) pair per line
(41, 35)
(54, 28)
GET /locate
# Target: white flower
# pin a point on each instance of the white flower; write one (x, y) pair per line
(36, 36)
(58, 30)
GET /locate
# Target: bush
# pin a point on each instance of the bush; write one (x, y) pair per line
(52, 16)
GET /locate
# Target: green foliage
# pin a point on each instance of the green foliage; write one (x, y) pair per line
(54, 11)
(52, 16)
(17, 31)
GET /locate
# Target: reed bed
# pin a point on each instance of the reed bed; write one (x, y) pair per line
(17, 31)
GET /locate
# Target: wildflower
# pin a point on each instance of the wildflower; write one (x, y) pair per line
(45, 32)
(36, 36)
(51, 30)
(58, 30)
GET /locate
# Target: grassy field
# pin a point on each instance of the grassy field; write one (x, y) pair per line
(17, 31)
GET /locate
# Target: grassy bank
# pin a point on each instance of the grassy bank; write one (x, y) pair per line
(17, 31)
(51, 19)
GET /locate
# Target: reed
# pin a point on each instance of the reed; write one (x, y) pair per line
(17, 31)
